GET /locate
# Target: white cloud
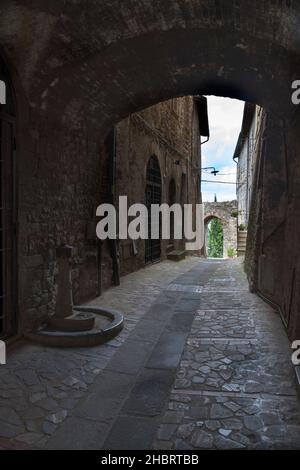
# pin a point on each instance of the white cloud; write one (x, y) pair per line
(225, 119)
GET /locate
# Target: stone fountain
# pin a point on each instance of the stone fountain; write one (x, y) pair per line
(75, 326)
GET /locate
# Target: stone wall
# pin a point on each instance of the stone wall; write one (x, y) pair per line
(273, 231)
(245, 156)
(226, 212)
(170, 131)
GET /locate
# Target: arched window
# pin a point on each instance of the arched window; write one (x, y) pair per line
(152, 196)
(7, 207)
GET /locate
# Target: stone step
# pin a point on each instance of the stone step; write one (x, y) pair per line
(170, 248)
(176, 255)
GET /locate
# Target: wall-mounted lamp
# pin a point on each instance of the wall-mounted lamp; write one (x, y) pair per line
(214, 172)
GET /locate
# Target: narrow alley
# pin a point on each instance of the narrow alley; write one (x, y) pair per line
(149, 226)
(201, 364)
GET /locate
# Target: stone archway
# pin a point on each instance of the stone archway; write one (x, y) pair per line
(84, 67)
(225, 213)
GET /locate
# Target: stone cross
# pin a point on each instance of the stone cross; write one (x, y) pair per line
(64, 300)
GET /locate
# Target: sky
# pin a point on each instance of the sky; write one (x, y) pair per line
(225, 120)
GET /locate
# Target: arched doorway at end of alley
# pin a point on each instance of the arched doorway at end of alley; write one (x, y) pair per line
(225, 214)
(214, 237)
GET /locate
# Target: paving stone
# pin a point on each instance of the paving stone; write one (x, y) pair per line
(236, 344)
(275, 431)
(173, 416)
(168, 350)
(32, 426)
(131, 357)
(149, 395)
(226, 373)
(231, 387)
(27, 376)
(180, 444)
(131, 433)
(59, 417)
(204, 369)
(37, 397)
(227, 444)
(178, 406)
(182, 383)
(181, 398)
(48, 404)
(232, 406)
(9, 416)
(30, 438)
(254, 423)
(202, 440)
(232, 423)
(162, 445)
(212, 425)
(165, 431)
(219, 411)
(225, 432)
(253, 387)
(77, 433)
(185, 430)
(10, 430)
(198, 380)
(198, 412)
(241, 439)
(269, 418)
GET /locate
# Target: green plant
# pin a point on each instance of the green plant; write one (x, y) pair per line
(234, 213)
(215, 239)
(231, 252)
(242, 227)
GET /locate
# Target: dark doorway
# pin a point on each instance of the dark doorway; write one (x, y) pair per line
(152, 196)
(7, 213)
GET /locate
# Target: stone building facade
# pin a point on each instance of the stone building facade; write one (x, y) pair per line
(245, 156)
(226, 213)
(267, 177)
(61, 207)
(165, 139)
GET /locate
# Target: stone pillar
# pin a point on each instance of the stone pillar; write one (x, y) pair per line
(64, 300)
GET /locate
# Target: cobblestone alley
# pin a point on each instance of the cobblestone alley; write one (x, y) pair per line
(201, 363)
